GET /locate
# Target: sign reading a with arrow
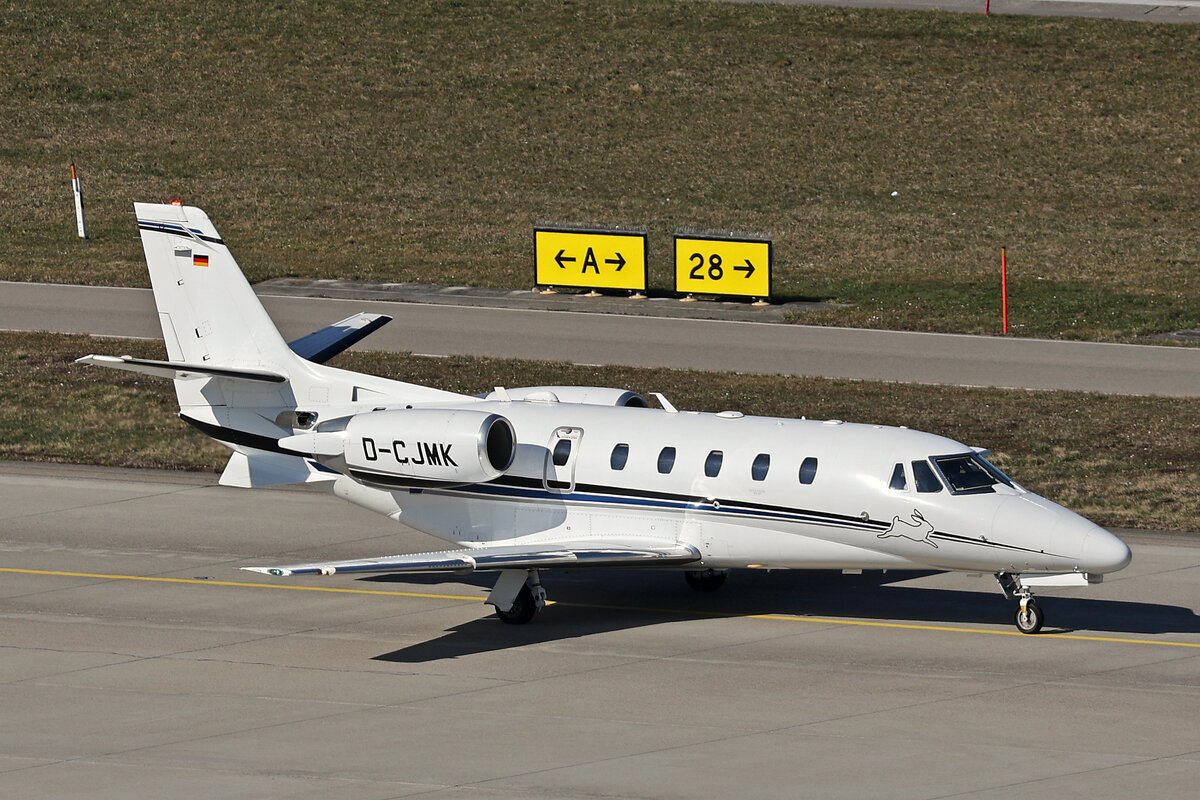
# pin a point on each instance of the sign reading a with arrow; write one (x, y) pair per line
(734, 265)
(590, 257)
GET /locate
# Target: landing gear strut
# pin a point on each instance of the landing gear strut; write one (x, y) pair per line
(705, 580)
(1029, 616)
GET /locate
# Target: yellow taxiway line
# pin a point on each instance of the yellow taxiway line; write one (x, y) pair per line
(477, 599)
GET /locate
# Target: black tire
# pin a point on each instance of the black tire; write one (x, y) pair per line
(705, 580)
(523, 608)
(1030, 620)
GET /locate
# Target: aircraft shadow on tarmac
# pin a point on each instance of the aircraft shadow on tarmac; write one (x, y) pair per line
(599, 602)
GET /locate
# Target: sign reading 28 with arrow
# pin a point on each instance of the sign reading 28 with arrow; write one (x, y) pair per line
(590, 257)
(719, 264)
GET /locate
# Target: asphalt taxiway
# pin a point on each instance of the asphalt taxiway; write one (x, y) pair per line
(138, 661)
(517, 325)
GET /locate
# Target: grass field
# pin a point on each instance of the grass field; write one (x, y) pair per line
(419, 141)
(1122, 461)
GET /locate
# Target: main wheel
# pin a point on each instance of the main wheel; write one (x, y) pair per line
(1030, 619)
(705, 580)
(523, 608)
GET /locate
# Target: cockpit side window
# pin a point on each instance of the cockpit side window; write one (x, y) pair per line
(925, 478)
(898, 481)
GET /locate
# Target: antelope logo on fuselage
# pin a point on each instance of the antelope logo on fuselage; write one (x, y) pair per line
(919, 530)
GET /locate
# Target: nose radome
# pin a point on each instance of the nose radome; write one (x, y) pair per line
(1103, 552)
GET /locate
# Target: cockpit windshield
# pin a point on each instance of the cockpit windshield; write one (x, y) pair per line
(970, 473)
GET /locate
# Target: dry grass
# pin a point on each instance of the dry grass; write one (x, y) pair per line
(419, 141)
(1123, 461)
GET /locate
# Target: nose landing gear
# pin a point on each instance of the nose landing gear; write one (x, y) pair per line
(1029, 616)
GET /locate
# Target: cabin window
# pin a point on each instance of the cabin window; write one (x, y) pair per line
(712, 464)
(666, 460)
(562, 452)
(620, 455)
(808, 470)
(762, 463)
(927, 482)
(899, 481)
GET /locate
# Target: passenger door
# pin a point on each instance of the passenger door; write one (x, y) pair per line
(562, 452)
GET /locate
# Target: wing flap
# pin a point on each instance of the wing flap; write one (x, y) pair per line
(472, 559)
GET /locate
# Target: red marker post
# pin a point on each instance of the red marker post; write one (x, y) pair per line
(1004, 287)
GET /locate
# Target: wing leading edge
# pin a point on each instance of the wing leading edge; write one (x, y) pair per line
(480, 559)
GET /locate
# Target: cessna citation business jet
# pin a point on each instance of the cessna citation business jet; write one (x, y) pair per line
(570, 477)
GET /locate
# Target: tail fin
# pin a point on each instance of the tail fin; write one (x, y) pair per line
(207, 309)
(236, 378)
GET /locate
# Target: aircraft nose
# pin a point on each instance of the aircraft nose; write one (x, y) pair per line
(1103, 552)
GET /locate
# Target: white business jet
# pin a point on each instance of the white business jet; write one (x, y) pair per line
(568, 477)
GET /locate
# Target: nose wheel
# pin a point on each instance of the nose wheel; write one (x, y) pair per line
(1029, 616)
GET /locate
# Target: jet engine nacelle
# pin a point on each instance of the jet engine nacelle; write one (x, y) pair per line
(416, 447)
(431, 445)
(587, 395)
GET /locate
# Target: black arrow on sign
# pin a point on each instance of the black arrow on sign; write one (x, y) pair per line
(619, 261)
(748, 269)
(560, 259)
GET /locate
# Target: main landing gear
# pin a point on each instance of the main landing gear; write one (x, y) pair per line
(705, 580)
(1029, 616)
(518, 595)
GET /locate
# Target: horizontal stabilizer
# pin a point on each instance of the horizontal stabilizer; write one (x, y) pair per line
(320, 346)
(179, 370)
(546, 556)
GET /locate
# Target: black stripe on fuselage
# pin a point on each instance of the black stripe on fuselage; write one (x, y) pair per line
(234, 436)
(260, 442)
(401, 481)
(682, 499)
(982, 542)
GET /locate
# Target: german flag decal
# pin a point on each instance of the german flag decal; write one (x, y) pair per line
(199, 260)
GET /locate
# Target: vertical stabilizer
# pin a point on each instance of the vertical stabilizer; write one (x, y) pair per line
(236, 378)
(208, 312)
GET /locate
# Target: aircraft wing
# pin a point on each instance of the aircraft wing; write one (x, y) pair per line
(571, 555)
(320, 346)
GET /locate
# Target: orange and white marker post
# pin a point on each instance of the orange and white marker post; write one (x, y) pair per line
(80, 225)
(1004, 287)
